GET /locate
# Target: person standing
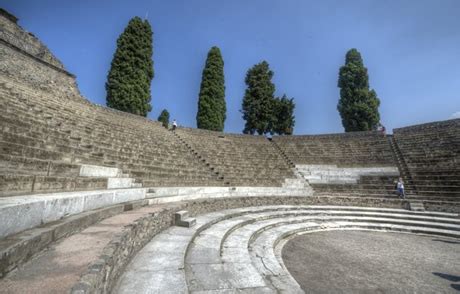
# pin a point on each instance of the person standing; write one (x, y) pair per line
(174, 125)
(400, 188)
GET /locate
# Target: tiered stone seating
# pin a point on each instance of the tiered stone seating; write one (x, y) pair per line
(234, 245)
(432, 155)
(348, 149)
(239, 250)
(81, 242)
(342, 161)
(44, 139)
(243, 160)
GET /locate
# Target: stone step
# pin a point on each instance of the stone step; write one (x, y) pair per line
(182, 219)
(416, 206)
(120, 183)
(223, 252)
(99, 171)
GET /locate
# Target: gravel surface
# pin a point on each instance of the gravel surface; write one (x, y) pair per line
(373, 262)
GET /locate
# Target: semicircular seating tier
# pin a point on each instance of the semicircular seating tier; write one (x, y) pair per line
(240, 249)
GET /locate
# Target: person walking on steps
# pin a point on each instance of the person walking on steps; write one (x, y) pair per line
(400, 188)
(174, 125)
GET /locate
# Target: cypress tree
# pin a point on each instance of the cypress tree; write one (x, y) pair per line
(358, 106)
(212, 109)
(164, 118)
(131, 71)
(284, 116)
(258, 99)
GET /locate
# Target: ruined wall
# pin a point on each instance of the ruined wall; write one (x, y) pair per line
(24, 59)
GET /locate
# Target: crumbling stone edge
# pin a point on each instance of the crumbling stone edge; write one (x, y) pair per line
(41, 61)
(102, 275)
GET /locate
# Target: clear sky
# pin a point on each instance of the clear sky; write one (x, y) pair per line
(411, 49)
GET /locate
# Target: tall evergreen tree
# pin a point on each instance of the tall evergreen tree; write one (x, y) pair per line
(164, 118)
(212, 109)
(358, 106)
(131, 72)
(258, 99)
(284, 116)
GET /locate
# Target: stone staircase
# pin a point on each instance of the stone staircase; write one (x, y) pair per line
(348, 149)
(300, 179)
(243, 160)
(431, 155)
(201, 158)
(402, 166)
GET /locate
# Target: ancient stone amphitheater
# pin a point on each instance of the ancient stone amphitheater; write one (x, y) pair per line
(93, 200)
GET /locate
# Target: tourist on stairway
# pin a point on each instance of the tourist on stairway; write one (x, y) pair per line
(400, 188)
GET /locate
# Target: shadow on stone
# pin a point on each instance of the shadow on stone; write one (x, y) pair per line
(446, 241)
(451, 278)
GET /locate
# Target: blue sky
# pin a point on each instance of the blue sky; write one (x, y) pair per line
(411, 49)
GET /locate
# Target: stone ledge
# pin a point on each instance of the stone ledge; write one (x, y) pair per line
(175, 194)
(19, 213)
(19, 248)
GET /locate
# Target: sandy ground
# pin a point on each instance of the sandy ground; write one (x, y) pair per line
(373, 262)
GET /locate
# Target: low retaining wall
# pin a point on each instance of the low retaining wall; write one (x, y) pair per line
(19, 213)
(175, 194)
(19, 248)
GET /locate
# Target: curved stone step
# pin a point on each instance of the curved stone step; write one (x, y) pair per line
(266, 249)
(214, 255)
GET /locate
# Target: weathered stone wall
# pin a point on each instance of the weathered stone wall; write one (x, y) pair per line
(12, 33)
(102, 274)
(453, 124)
(24, 59)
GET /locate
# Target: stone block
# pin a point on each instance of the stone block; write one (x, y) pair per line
(119, 183)
(19, 213)
(99, 171)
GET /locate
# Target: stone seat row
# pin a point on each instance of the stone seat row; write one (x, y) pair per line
(20, 184)
(240, 250)
(63, 135)
(338, 150)
(94, 145)
(242, 162)
(431, 152)
(453, 190)
(71, 151)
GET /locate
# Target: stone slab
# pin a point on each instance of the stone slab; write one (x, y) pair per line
(20, 213)
(118, 183)
(87, 170)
